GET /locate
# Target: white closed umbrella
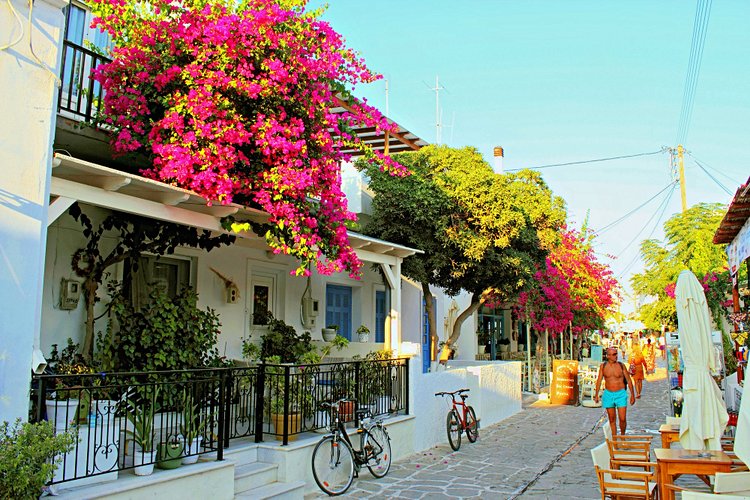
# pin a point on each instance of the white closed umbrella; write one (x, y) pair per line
(742, 435)
(704, 413)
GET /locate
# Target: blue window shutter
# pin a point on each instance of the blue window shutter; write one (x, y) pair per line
(339, 309)
(380, 316)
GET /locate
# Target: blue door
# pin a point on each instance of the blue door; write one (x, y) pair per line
(339, 309)
(426, 356)
(380, 316)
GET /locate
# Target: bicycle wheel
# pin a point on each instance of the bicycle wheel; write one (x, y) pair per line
(453, 424)
(333, 465)
(377, 447)
(472, 427)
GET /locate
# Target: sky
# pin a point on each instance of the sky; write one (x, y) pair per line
(563, 81)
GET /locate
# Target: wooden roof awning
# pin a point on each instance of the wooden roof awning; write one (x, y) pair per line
(74, 179)
(736, 216)
(387, 143)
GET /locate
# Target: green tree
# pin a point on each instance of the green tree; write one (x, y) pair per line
(480, 231)
(134, 235)
(688, 245)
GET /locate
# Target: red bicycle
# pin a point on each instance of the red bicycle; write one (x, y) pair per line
(460, 421)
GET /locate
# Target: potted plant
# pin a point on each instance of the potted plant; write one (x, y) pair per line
(29, 454)
(483, 338)
(140, 411)
(192, 428)
(63, 403)
(330, 332)
(169, 453)
(276, 401)
(363, 333)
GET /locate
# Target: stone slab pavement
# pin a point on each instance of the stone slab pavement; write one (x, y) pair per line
(541, 452)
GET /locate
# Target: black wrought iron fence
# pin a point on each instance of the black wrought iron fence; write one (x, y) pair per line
(80, 94)
(138, 420)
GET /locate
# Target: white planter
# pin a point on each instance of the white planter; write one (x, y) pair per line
(62, 413)
(363, 337)
(481, 349)
(328, 334)
(144, 462)
(192, 449)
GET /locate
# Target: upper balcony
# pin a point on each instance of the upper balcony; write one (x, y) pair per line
(80, 134)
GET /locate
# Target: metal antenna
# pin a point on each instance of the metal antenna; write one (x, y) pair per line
(437, 89)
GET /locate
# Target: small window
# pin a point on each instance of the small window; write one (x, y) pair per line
(263, 290)
(168, 274)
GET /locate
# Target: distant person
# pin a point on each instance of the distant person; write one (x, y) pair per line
(615, 397)
(649, 354)
(637, 368)
(663, 346)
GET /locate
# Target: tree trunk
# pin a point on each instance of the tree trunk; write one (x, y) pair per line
(90, 287)
(429, 304)
(474, 305)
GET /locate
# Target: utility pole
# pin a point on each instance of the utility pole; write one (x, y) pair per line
(680, 159)
(677, 160)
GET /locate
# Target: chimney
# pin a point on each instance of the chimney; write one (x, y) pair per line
(498, 166)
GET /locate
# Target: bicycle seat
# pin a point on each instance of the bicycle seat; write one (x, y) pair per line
(464, 396)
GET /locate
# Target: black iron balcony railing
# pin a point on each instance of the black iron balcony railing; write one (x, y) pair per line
(80, 95)
(135, 420)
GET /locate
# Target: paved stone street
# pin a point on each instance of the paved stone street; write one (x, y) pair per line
(542, 452)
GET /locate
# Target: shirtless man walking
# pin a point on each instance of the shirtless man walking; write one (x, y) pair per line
(616, 381)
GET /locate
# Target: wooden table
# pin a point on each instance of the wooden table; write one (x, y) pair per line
(670, 433)
(673, 463)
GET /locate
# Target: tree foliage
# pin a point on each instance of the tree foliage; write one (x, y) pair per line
(688, 245)
(479, 231)
(234, 100)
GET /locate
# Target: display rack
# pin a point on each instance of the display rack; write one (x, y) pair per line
(676, 365)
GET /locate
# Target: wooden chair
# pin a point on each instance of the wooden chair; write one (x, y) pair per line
(733, 483)
(626, 451)
(615, 483)
(618, 484)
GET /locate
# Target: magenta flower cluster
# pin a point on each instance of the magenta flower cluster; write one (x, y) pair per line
(234, 101)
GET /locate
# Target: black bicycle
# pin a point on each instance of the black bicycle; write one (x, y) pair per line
(335, 461)
(460, 421)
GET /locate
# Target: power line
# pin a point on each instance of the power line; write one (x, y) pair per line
(722, 186)
(700, 28)
(588, 161)
(733, 181)
(664, 209)
(612, 224)
(661, 205)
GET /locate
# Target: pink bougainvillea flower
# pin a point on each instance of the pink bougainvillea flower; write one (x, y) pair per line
(233, 101)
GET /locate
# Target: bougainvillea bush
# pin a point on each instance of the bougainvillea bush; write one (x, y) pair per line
(573, 287)
(547, 305)
(233, 101)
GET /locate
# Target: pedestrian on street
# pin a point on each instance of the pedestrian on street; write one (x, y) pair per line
(616, 383)
(637, 368)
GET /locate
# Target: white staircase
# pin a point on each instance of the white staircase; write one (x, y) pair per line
(258, 480)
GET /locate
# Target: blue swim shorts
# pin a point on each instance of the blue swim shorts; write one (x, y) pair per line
(616, 399)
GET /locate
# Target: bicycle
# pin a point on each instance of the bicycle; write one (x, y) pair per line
(335, 461)
(463, 421)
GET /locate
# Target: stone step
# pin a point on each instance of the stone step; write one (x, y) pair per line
(239, 454)
(253, 475)
(278, 491)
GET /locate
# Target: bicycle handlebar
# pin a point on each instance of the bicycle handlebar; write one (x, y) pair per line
(460, 391)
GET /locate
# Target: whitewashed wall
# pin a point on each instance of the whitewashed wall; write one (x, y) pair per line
(237, 262)
(28, 83)
(495, 395)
